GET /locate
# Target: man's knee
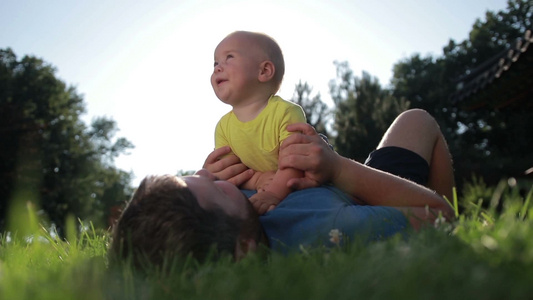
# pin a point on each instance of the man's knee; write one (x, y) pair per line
(419, 118)
(416, 114)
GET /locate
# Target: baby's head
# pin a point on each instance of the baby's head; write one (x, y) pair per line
(264, 47)
(271, 49)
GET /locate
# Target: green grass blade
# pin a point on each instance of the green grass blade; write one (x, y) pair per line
(525, 207)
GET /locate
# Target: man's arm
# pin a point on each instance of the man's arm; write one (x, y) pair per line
(375, 187)
(309, 153)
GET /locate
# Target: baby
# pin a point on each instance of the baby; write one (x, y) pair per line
(248, 71)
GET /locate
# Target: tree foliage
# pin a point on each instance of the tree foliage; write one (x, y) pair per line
(363, 112)
(483, 141)
(47, 152)
(316, 111)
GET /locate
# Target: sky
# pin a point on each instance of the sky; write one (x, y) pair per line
(147, 64)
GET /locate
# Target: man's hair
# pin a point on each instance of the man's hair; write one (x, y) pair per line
(273, 52)
(164, 220)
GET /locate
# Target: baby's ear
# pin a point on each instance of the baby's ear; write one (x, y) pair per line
(266, 71)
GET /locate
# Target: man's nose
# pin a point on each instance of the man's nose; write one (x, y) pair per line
(205, 173)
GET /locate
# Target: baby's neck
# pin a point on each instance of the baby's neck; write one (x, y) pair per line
(248, 111)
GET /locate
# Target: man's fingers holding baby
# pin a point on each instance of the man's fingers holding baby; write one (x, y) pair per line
(239, 174)
(215, 156)
(304, 128)
(227, 167)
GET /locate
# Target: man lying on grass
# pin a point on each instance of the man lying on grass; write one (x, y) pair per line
(400, 186)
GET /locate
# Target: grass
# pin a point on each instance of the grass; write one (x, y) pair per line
(487, 253)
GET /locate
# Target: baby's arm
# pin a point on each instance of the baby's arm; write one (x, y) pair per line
(258, 181)
(272, 194)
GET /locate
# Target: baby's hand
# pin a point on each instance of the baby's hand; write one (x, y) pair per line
(264, 201)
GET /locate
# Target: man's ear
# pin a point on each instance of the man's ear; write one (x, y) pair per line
(243, 246)
(266, 71)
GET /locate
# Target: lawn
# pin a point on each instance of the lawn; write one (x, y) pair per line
(486, 253)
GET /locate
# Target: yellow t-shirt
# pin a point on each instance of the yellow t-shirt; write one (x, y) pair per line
(257, 142)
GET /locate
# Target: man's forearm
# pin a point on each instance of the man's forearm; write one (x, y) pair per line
(375, 187)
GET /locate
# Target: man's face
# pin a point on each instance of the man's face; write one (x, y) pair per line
(212, 193)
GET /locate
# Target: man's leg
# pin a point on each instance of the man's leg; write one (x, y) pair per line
(417, 130)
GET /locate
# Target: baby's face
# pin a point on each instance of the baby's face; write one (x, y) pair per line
(236, 69)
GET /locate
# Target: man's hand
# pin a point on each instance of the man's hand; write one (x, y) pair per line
(227, 167)
(305, 150)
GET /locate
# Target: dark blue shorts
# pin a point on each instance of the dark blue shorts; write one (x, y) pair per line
(401, 162)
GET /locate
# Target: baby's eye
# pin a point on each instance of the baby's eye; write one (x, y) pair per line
(215, 64)
(229, 56)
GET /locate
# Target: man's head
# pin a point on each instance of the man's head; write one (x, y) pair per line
(172, 216)
(246, 62)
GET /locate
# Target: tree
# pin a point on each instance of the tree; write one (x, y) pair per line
(363, 112)
(492, 136)
(419, 79)
(316, 111)
(47, 153)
